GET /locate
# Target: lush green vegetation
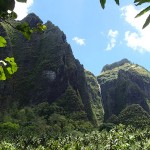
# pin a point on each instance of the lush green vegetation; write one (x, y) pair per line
(124, 83)
(133, 115)
(95, 96)
(51, 127)
(64, 115)
(53, 69)
(118, 138)
(112, 74)
(62, 122)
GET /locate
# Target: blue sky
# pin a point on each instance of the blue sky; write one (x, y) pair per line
(97, 37)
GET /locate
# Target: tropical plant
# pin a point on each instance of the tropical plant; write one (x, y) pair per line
(137, 3)
(121, 137)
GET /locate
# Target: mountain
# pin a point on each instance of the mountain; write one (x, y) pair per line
(48, 73)
(122, 84)
(52, 91)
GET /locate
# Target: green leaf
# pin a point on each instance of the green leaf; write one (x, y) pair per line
(6, 5)
(41, 27)
(10, 4)
(13, 66)
(102, 2)
(146, 22)
(13, 15)
(117, 2)
(2, 74)
(3, 42)
(22, 1)
(23, 26)
(44, 27)
(25, 29)
(27, 35)
(143, 12)
(142, 2)
(137, 1)
(9, 70)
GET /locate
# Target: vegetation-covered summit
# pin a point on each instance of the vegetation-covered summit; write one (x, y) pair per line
(122, 84)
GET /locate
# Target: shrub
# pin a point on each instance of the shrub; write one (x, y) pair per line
(134, 115)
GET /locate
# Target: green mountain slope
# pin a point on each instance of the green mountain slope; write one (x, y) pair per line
(48, 72)
(95, 95)
(124, 83)
(51, 84)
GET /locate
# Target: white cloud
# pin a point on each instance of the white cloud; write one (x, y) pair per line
(138, 40)
(79, 41)
(22, 9)
(112, 35)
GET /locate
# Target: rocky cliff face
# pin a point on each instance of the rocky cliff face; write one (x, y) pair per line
(122, 84)
(48, 72)
(95, 96)
(46, 68)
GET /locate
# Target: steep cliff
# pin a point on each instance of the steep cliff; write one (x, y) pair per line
(47, 68)
(124, 83)
(95, 96)
(50, 78)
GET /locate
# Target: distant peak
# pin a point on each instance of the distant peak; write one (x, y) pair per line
(32, 19)
(116, 64)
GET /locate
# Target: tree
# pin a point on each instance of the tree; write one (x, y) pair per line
(8, 66)
(137, 3)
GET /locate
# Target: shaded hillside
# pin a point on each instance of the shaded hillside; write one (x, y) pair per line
(134, 115)
(124, 83)
(95, 95)
(47, 68)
